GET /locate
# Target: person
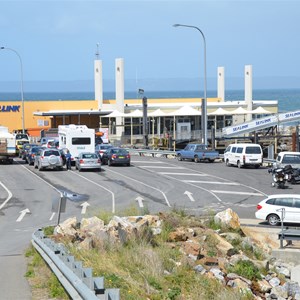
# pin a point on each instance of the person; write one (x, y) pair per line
(68, 160)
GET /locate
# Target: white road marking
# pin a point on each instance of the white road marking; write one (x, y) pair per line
(211, 182)
(184, 174)
(22, 214)
(159, 167)
(190, 195)
(84, 207)
(9, 195)
(147, 162)
(52, 216)
(140, 201)
(236, 193)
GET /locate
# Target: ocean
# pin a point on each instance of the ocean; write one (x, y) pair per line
(288, 99)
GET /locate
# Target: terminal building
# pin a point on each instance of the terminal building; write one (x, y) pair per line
(122, 119)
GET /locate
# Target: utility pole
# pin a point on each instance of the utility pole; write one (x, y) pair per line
(145, 122)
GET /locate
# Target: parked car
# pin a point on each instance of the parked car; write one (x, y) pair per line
(88, 160)
(270, 209)
(197, 153)
(287, 158)
(102, 148)
(48, 158)
(23, 151)
(116, 156)
(242, 155)
(30, 156)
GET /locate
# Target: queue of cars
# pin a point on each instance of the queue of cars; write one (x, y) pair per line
(44, 156)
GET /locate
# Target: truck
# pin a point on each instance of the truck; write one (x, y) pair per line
(7, 145)
(285, 158)
(197, 153)
(76, 138)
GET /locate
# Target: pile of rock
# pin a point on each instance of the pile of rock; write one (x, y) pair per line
(209, 252)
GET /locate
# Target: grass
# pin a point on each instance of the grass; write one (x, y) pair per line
(145, 267)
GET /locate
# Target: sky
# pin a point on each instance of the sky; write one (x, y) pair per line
(57, 41)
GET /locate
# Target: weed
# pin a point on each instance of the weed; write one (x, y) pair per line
(245, 268)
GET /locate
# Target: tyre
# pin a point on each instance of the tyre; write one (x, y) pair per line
(40, 167)
(109, 163)
(211, 160)
(227, 163)
(196, 159)
(128, 165)
(257, 166)
(239, 164)
(281, 185)
(179, 157)
(273, 220)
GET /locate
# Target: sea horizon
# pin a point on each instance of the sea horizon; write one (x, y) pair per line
(288, 99)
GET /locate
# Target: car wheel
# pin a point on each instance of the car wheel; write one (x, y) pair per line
(179, 157)
(35, 166)
(273, 220)
(109, 163)
(128, 164)
(40, 167)
(196, 159)
(227, 163)
(239, 164)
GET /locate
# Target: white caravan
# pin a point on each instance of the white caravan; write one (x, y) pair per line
(76, 138)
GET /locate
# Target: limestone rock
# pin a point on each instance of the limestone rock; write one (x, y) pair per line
(228, 218)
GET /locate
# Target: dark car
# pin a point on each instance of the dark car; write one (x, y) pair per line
(31, 153)
(116, 156)
(26, 147)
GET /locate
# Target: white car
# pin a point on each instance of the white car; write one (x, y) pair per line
(271, 209)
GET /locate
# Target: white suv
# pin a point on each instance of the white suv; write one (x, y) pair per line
(48, 159)
(271, 208)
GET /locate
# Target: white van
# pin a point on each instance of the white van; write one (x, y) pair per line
(243, 155)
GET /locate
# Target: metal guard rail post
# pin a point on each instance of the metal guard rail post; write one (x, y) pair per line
(77, 281)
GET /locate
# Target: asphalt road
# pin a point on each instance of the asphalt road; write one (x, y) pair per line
(150, 184)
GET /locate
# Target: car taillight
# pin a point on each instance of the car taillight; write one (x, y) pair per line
(244, 157)
(258, 207)
(128, 155)
(81, 161)
(42, 157)
(114, 156)
(99, 161)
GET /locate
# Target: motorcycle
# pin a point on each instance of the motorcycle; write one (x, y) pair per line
(293, 174)
(279, 177)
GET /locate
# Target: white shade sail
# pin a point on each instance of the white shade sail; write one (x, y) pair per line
(220, 112)
(260, 110)
(185, 111)
(157, 113)
(114, 114)
(134, 114)
(241, 111)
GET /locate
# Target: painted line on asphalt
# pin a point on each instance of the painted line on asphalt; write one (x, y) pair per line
(184, 174)
(237, 193)
(147, 162)
(212, 182)
(8, 197)
(159, 167)
(138, 181)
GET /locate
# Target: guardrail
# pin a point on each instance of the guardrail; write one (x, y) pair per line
(152, 153)
(77, 280)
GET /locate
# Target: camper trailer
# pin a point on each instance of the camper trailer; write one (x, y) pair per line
(76, 138)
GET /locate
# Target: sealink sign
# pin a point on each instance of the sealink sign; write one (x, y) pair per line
(10, 108)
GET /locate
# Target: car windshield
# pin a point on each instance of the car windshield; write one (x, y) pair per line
(89, 155)
(119, 151)
(51, 152)
(291, 159)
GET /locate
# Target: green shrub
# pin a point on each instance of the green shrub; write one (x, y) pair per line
(245, 268)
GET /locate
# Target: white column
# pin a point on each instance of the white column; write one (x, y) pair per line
(221, 83)
(119, 73)
(98, 82)
(248, 90)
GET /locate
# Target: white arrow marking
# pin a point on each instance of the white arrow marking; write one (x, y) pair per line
(52, 216)
(190, 195)
(84, 207)
(23, 213)
(140, 201)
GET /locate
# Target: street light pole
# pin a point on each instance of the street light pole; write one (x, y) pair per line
(204, 100)
(22, 93)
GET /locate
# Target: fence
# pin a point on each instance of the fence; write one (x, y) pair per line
(77, 280)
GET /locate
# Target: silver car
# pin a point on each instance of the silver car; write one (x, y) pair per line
(88, 160)
(48, 158)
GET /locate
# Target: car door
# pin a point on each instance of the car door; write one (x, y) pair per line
(296, 210)
(288, 205)
(232, 156)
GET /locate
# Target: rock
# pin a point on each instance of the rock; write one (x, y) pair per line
(233, 276)
(178, 236)
(283, 270)
(264, 286)
(228, 218)
(91, 224)
(68, 227)
(279, 291)
(191, 247)
(275, 281)
(200, 269)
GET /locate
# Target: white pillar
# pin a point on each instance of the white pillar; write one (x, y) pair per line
(248, 90)
(221, 83)
(119, 73)
(98, 82)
